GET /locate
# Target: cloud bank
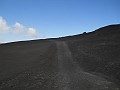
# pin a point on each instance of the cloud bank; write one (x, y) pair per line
(17, 28)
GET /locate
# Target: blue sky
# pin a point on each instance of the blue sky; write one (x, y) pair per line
(33, 19)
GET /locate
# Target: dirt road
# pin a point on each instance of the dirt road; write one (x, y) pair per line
(72, 77)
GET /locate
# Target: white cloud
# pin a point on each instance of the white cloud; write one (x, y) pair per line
(18, 28)
(32, 32)
(3, 26)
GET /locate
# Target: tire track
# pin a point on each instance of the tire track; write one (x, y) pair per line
(72, 77)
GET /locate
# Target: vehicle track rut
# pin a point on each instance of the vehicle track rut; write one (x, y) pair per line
(72, 77)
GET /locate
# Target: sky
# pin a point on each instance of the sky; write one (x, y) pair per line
(38, 19)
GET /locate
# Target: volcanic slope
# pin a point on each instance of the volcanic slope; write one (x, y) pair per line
(81, 62)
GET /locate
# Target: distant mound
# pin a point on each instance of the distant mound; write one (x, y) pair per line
(109, 29)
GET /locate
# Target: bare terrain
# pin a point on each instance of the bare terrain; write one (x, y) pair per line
(88, 61)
